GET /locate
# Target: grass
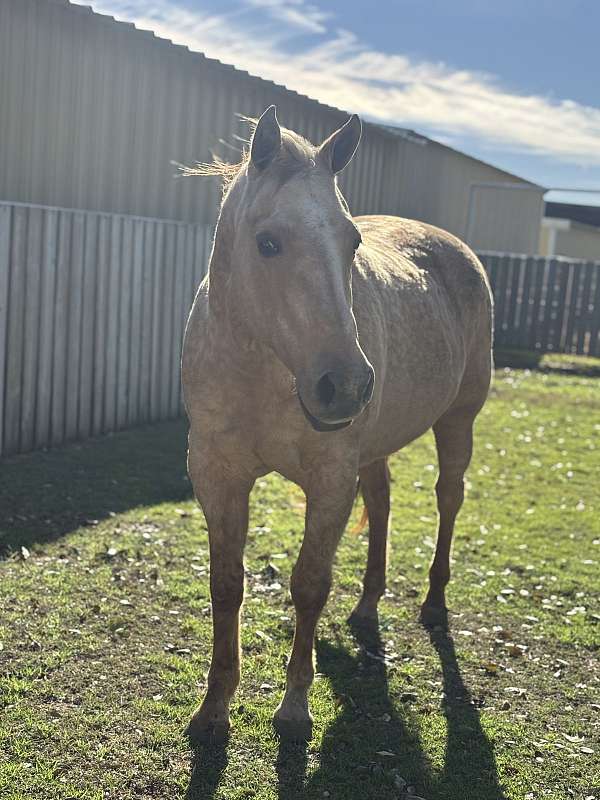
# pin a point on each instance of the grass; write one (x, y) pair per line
(105, 624)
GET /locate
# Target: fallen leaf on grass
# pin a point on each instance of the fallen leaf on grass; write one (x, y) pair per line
(573, 739)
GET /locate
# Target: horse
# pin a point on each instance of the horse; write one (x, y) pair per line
(318, 345)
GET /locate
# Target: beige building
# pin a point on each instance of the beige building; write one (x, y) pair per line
(567, 237)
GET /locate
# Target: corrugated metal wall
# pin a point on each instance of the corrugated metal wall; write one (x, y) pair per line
(93, 111)
(92, 312)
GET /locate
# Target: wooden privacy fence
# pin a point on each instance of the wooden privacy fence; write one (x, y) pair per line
(92, 310)
(545, 304)
(93, 307)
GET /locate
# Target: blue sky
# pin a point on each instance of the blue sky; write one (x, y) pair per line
(514, 82)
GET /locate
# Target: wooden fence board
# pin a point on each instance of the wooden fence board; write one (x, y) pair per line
(594, 317)
(573, 305)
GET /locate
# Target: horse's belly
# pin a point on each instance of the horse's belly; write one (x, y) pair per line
(413, 396)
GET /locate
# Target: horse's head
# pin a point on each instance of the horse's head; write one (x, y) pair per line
(285, 244)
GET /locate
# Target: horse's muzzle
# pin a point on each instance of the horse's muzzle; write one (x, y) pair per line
(338, 397)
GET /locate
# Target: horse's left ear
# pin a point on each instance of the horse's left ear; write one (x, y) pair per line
(338, 149)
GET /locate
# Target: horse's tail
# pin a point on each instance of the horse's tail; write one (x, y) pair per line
(364, 520)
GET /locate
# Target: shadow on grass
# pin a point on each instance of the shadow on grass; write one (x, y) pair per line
(469, 757)
(45, 494)
(369, 722)
(562, 363)
(208, 765)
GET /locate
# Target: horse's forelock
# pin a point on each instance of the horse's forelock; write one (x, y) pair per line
(296, 155)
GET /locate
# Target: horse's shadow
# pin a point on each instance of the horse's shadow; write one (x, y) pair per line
(372, 749)
(369, 715)
(208, 764)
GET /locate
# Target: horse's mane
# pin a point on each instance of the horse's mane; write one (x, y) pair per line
(296, 155)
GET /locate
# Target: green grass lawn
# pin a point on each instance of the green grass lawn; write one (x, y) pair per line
(105, 624)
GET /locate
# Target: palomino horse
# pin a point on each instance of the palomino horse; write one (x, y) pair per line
(318, 345)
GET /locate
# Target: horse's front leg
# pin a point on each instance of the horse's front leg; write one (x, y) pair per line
(329, 503)
(224, 500)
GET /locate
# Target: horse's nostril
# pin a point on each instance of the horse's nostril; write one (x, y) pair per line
(326, 390)
(368, 390)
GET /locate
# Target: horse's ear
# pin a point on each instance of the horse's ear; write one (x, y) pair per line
(266, 140)
(338, 149)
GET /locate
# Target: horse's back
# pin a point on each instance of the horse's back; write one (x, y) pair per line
(424, 314)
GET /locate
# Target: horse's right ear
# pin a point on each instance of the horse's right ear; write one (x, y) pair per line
(337, 151)
(266, 140)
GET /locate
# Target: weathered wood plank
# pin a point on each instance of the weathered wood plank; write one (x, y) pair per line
(513, 301)
(541, 266)
(504, 270)
(573, 303)
(548, 307)
(526, 302)
(560, 301)
(594, 312)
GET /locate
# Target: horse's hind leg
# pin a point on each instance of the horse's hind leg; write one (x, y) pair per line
(375, 487)
(454, 441)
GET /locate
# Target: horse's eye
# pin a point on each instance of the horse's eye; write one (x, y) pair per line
(357, 241)
(268, 245)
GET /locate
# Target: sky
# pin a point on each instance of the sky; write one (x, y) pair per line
(513, 82)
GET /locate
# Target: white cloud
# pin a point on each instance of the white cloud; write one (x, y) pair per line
(342, 71)
(296, 13)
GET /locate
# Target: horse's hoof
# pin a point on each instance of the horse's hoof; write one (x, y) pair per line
(434, 616)
(293, 730)
(365, 618)
(204, 730)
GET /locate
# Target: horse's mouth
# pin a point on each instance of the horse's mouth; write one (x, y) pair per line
(321, 426)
